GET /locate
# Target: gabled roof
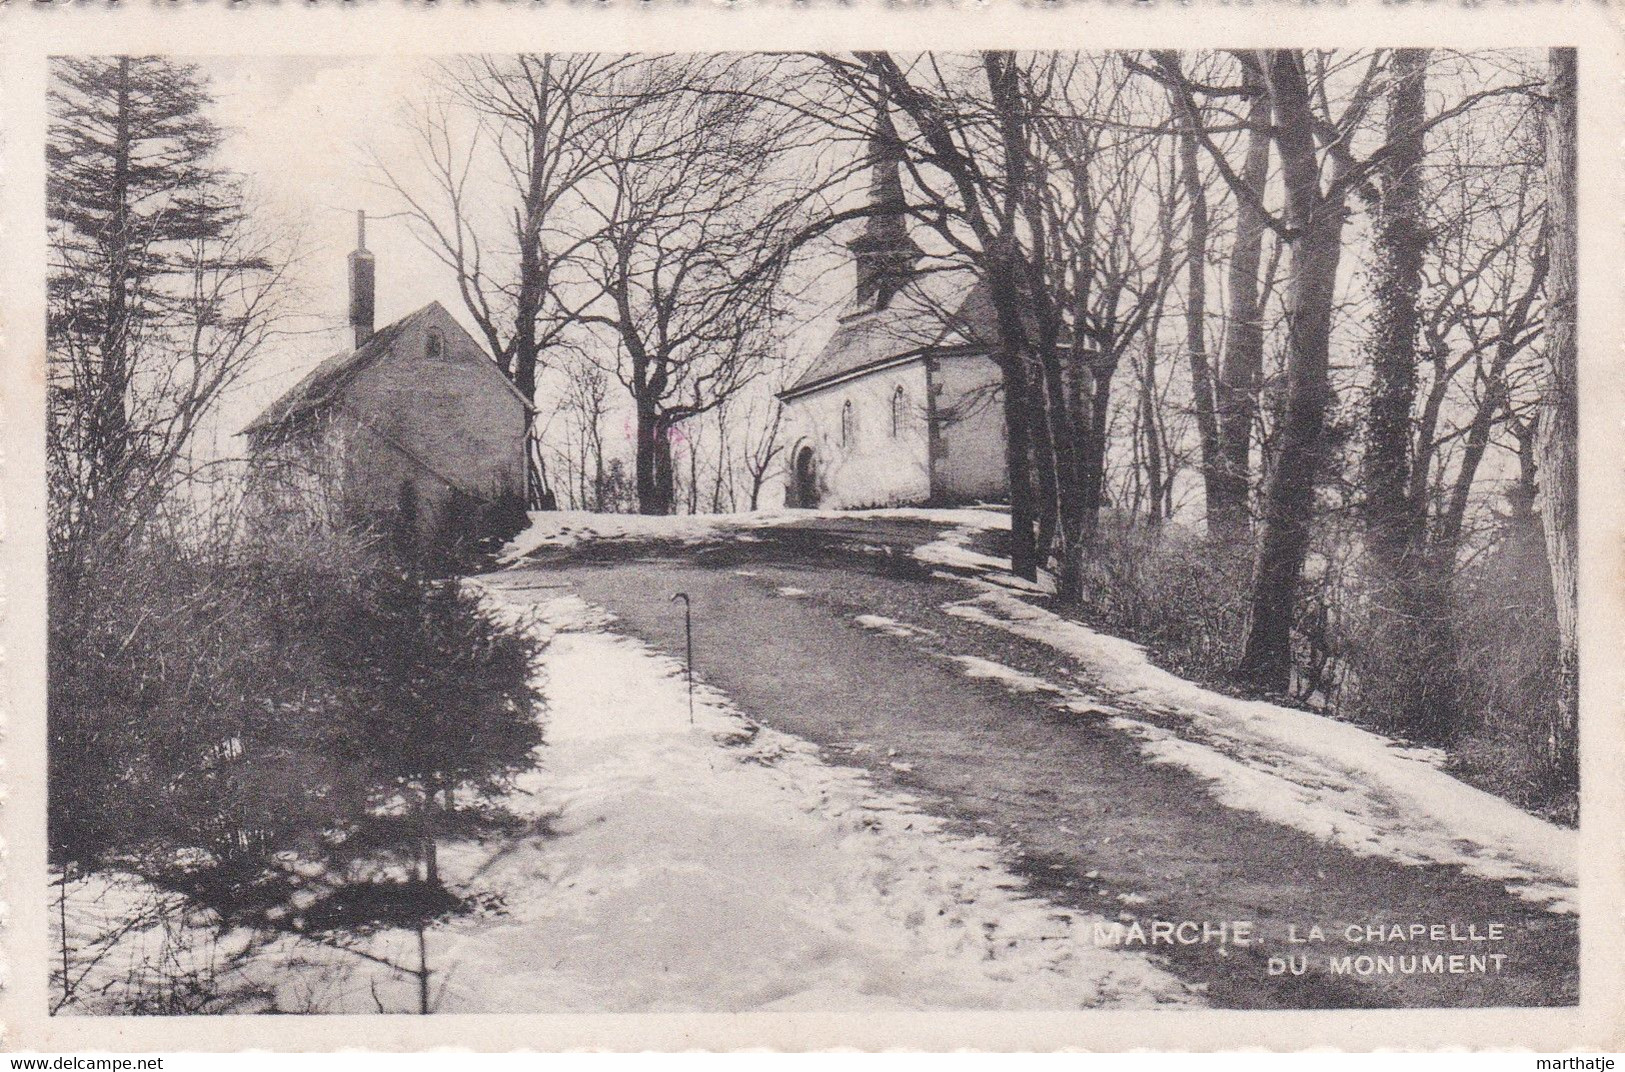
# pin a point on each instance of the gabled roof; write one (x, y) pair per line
(325, 382)
(933, 312)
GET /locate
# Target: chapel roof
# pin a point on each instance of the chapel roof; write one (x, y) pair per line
(934, 311)
(328, 380)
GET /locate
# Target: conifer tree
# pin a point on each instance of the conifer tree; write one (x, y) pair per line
(159, 292)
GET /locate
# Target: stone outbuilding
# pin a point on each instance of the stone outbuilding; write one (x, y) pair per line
(415, 430)
(903, 404)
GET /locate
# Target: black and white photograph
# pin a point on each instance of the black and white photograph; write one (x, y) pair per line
(812, 532)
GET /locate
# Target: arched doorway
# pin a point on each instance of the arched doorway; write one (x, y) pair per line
(806, 478)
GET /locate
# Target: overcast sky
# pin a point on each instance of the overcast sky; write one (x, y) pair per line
(299, 129)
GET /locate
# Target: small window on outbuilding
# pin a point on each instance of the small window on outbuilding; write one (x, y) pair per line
(846, 423)
(899, 403)
(435, 346)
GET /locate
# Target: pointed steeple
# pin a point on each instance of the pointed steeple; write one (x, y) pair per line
(884, 251)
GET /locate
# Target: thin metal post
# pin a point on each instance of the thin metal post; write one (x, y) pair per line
(688, 637)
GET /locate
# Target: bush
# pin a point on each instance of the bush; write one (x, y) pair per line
(1173, 591)
(1507, 657)
(221, 707)
(1490, 660)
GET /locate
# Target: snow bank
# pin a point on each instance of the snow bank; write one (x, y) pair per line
(952, 550)
(890, 626)
(1328, 778)
(1071, 698)
(970, 517)
(567, 528)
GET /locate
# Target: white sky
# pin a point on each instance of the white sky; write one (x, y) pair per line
(299, 129)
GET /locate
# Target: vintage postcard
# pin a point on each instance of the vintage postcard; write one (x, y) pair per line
(1002, 527)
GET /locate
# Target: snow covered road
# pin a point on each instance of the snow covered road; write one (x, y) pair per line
(726, 867)
(1109, 787)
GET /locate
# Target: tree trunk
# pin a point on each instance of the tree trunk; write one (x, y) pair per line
(1196, 304)
(1228, 516)
(693, 474)
(1408, 657)
(1049, 509)
(532, 281)
(1557, 441)
(1316, 225)
(653, 464)
(1018, 467)
(426, 836)
(110, 429)
(1150, 431)
(1093, 477)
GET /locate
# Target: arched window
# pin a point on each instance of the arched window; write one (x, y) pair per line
(899, 403)
(435, 346)
(847, 429)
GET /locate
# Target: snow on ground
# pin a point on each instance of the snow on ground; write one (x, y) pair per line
(1332, 779)
(725, 866)
(891, 626)
(1072, 699)
(712, 866)
(566, 528)
(1328, 778)
(953, 551)
(971, 517)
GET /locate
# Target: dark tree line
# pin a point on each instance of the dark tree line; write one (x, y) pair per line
(1288, 174)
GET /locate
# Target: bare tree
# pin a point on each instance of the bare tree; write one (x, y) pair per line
(1109, 268)
(690, 230)
(1228, 511)
(586, 400)
(1479, 316)
(1314, 220)
(1012, 175)
(1320, 170)
(537, 127)
(762, 446)
(1187, 120)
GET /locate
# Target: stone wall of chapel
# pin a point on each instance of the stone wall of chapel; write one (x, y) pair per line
(869, 462)
(968, 457)
(436, 421)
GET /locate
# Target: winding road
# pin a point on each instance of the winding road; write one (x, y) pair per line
(830, 630)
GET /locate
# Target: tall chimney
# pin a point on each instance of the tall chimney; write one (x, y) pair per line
(362, 280)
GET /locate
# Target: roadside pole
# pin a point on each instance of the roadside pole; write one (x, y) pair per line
(688, 639)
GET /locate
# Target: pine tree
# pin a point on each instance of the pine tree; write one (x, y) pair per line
(154, 299)
(161, 291)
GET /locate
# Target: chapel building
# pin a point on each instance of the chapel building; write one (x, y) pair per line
(903, 405)
(415, 430)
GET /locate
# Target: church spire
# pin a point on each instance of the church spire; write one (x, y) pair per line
(884, 251)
